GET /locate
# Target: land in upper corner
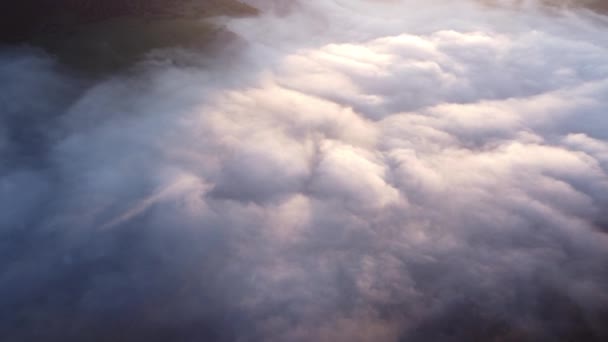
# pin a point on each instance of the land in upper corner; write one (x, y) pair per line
(100, 36)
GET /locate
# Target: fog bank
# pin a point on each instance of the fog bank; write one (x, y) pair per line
(342, 171)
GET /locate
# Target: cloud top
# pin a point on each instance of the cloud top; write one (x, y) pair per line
(355, 171)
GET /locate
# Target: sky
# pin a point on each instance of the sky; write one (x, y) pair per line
(341, 170)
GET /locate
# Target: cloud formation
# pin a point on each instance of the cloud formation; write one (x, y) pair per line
(357, 171)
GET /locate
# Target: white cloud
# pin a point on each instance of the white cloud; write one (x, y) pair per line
(366, 171)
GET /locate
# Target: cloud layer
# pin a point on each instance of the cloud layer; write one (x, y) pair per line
(355, 171)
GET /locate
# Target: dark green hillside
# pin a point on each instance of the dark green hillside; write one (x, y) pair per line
(95, 35)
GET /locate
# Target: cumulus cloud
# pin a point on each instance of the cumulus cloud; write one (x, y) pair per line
(359, 171)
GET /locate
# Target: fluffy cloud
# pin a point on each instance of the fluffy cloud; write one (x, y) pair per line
(361, 171)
